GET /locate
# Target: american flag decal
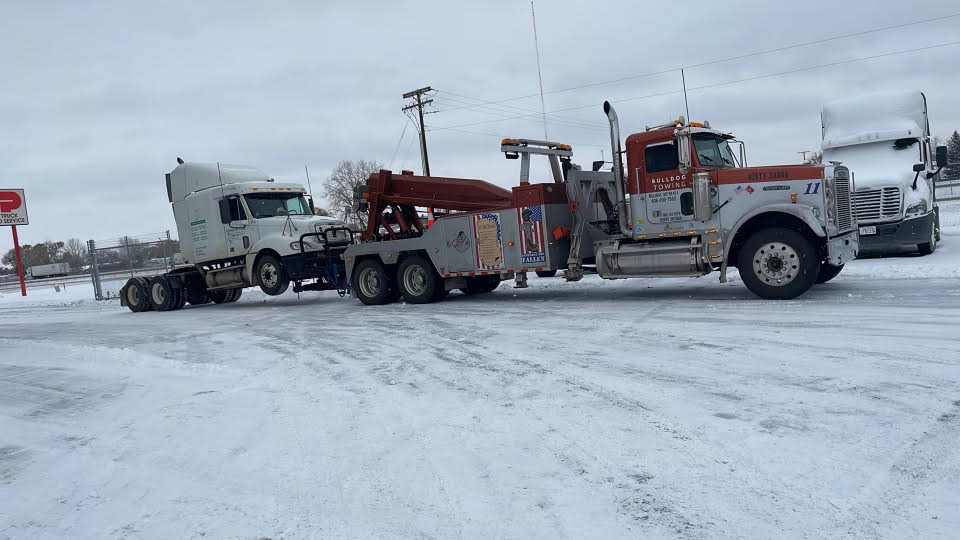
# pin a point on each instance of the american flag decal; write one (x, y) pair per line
(532, 241)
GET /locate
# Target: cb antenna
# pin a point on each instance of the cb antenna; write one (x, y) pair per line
(686, 103)
(536, 44)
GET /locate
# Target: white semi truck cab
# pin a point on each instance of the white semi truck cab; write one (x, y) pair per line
(239, 228)
(884, 138)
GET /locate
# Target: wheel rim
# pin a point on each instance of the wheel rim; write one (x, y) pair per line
(158, 293)
(369, 282)
(269, 275)
(415, 280)
(776, 264)
(133, 295)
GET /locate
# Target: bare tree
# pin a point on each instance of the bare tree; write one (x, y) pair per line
(75, 250)
(815, 157)
(339, 187)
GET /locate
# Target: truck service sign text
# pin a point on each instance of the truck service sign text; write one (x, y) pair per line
(13, 207)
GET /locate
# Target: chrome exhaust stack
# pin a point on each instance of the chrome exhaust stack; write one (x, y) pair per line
(615, 149)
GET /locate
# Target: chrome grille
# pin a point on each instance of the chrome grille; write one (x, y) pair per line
(878, 204)
(844, 207)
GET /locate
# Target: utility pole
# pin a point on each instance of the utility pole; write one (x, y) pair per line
(418, 104)
(804, 154)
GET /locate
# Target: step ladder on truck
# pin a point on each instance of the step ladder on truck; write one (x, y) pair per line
(685, 205)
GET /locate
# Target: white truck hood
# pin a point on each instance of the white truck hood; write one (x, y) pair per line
(878, 164)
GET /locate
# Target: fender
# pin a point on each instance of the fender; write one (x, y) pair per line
(277, 243)
(803, 212)
(387, 256)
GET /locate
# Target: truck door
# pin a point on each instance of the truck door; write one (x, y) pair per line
(668, 193)
(240, 232)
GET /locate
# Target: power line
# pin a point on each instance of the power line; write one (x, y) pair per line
(507, 113)
(399, 142)
(724, 83)
(487, 134)
(731, 58)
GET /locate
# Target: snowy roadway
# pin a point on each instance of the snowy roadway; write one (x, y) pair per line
(635, 409)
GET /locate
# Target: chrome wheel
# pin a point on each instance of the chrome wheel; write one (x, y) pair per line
(776, 264)
(269, 276)
(415, 280)
(369, 282)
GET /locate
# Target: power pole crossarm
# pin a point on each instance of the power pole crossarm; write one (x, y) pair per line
(418, 104)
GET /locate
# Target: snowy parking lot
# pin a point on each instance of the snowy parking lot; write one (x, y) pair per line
(637, 409)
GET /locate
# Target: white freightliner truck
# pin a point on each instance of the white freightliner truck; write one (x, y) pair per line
(884, 138)
(239, 228)
(685, 205)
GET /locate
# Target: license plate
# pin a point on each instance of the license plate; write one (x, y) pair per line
(868, 230)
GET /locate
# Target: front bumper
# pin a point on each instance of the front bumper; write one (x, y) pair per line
(843, 248)
(328, 266)
(897, 236)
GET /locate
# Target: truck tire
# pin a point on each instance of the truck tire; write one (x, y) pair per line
(372, 284)
(828, 272)
(271, 276)
(163, 296)
(219, 296)
(931, 245)
(234, 294)
(778, 264)
(417, 280)
(546, 273)
(145, 282)
(481, 284)
(196, 296)
(136, 295)
(181, 298)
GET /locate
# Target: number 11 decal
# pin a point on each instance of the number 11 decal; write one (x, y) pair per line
(812, 188)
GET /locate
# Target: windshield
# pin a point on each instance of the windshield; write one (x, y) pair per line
(264, 205)
(713, 151)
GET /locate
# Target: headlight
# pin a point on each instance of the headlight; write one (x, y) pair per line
(919, 208)
(318, 227)
(306, 245)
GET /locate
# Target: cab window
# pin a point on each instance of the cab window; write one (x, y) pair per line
(661, 157)
(236, 209)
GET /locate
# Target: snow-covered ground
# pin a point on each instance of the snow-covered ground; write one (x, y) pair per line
(633, 409)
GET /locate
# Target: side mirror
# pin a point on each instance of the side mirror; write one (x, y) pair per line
(313, 209)
(683, 152)
(702, 199)
(919, 167)
(224, 211)
(942, 156)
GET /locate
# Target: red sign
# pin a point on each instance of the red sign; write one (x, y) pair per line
(9, 201)
(13, 210)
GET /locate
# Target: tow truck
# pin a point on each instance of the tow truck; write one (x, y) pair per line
(685, 204)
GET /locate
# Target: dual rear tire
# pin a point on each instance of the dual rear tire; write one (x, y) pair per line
(416, 281)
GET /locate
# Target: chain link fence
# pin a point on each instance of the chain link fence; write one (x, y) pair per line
(112, 263)
(948, 199)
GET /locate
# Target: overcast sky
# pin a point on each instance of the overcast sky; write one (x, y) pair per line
(98, 99)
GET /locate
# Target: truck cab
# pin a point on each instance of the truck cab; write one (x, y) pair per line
(242, 228)
(239, 228)
(884, 138)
